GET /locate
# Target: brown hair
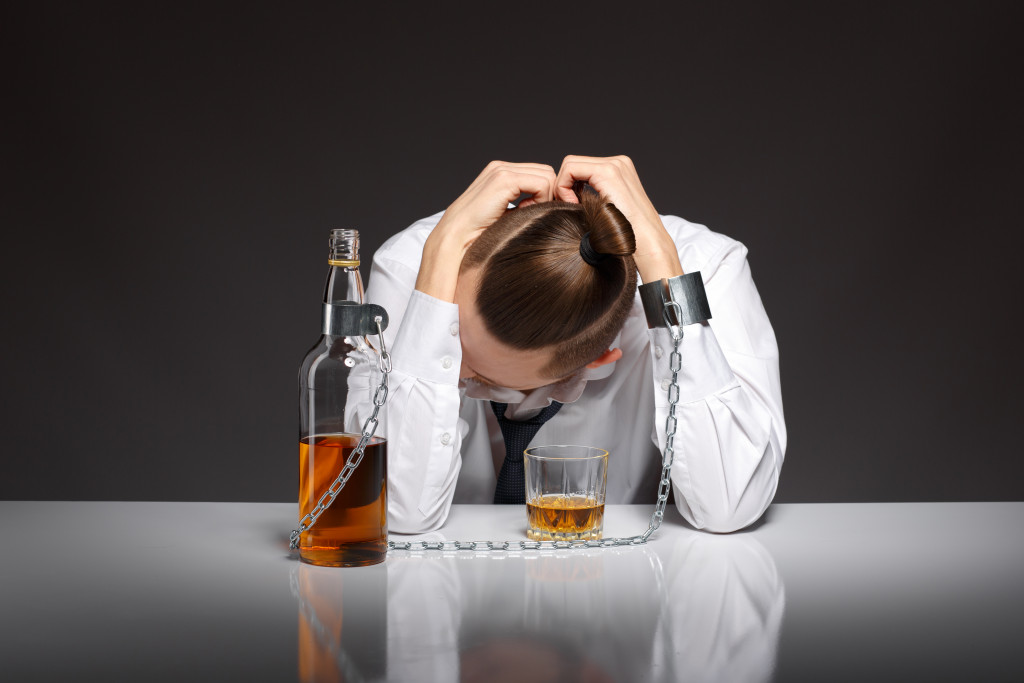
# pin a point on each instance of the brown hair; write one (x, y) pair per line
(536, 288)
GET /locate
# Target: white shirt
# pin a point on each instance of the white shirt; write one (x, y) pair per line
(445, 446)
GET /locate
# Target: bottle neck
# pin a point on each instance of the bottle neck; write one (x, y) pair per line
(344, 283)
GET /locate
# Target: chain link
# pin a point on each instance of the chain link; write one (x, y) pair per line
(668, 456)
(369, 428)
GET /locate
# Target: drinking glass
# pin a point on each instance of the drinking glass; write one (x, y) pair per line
(565, 488)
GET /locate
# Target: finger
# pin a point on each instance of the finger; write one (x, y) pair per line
(542, 170)
(534, 167)
(496, 166)
(538, 183)
(587, 169)
(540, 186)
(499, 167)
(576, 169)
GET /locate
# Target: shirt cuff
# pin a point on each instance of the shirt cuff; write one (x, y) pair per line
(427, 345)
(704, 372)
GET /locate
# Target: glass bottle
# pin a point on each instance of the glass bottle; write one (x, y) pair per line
(337, 379)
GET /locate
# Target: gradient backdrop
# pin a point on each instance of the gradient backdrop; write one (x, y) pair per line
(170, 176)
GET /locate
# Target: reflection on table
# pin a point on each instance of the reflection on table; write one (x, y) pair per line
(128, 591)
(708, 608)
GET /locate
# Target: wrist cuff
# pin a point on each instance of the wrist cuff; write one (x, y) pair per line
(685, 296)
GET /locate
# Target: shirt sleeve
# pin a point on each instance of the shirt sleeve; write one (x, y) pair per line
(421, 416)
(730, 436)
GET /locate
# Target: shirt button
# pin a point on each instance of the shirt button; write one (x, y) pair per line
(658, 352)
(446, 363)
(665, 384)
(454, 329)
(446, 439)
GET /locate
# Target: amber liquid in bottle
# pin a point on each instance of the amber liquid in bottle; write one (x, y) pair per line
(352, 532)
(557, 517)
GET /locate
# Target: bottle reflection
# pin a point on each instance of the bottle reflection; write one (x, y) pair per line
(342, 623)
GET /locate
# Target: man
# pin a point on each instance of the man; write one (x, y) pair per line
(457, 376)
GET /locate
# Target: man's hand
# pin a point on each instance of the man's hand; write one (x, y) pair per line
(484, 202)
(615, 178)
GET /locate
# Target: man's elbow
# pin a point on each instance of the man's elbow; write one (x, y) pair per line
(410, 519)
(733, 514)
(725, 522)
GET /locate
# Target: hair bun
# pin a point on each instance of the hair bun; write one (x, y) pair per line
(589, 254)
(541, 249)
(609, 231)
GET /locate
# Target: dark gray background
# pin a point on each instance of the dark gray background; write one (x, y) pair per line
(170, 176)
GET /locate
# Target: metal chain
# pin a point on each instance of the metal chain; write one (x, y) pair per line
(675, 365)
(668, 456)
(356, 457)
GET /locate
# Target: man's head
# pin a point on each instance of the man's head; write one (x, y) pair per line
(532, 310)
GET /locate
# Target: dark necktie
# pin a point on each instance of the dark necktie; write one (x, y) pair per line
(511, 486)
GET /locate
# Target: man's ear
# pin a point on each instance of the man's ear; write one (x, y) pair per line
(609, 356)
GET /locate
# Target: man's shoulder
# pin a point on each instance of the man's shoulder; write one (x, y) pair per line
(700, 248)
(406, 246)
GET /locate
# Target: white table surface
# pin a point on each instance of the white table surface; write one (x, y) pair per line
(209, 591)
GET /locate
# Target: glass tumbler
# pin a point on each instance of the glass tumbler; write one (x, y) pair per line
(565, 487)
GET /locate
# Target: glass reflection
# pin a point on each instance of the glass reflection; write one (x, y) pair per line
(705, 608)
